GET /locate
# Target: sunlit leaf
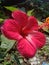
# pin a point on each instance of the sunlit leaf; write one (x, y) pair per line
(1, 20)
(46, 30)
(11, 8)
(29, 13)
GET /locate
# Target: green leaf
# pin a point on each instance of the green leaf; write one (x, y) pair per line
(1, 64)
(5, 46)
(46, 30)
(1, 20)
(6, 43)
(16, 59)
(29, 13)
(7, 63)
(11, 8)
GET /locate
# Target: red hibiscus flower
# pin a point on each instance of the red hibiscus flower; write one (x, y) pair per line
(24, 29)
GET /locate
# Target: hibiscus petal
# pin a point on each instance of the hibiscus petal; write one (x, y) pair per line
(21, 17)
(26, 49)
(11, 29)
(31, 25)
(38, 38)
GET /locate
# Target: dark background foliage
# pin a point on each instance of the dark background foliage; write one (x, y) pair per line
(41, 7)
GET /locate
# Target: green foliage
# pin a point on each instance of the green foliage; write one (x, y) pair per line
(1, 20)
(41, 8)
(11, 8)
(6, 43)
(29, 13)
(5, 46)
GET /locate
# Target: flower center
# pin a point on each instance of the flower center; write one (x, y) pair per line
(23, 33)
